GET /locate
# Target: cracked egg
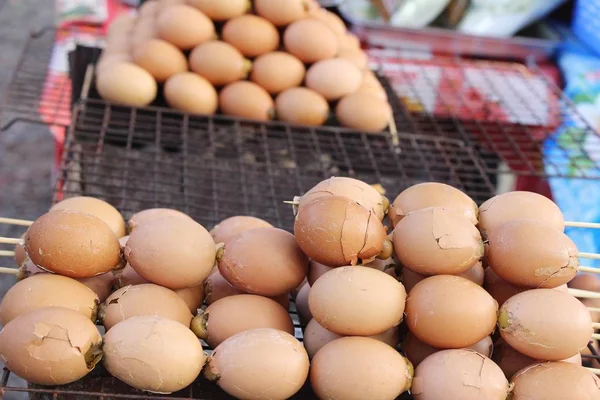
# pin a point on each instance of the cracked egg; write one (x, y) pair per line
(96, 207)
(233, 226)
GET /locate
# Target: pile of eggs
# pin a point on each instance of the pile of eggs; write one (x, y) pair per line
(266, 59)
(454, 301)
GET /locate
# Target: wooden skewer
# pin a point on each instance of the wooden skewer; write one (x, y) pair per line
(12, 271)
(583, 294)
(589, 269)
(591, 225)
(7, 253)
(10, 240)
(13, 221)
(595, 371)
(594, 309)
(595, 325)
(592, 256)
(596, 336)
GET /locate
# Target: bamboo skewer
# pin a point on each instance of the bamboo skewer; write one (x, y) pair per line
(595, 371)
(14, 221)
(12, 271)
(584, 294)
(591, 225)
(6, 240)
(596, 336)
(7, 253)
(596, 325)
(594, 309)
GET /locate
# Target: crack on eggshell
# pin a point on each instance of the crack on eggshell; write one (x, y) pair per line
(346, 243)
(441, 229)
(366, 237)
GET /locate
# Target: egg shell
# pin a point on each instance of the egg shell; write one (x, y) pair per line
(459, 374)
(234, 314)
(144, 299)
(189, 92)
(531, 254)
(310, 40)
(432, 194)
(376, 91)
(299, 105)
(355, 56)
(585, 281)
(251, 35)
(193, 297)
(115, 45)
(368, 368)
(364, 111)
(334, 79)
(253, 362)
(219, 62)
(233, 226)
(416, 351)
(277, 71)
(348, 301)
(71, 352)
(315, 337)
(45, 290)
(302, 307)
(428, 308)
(149, 8)
(555, 381)
(151, 214)
(72, 243)
(545, 324)
(20, 253)
(161, 59)
(180, 243)
(315, 270)
(280, 13)
(184, 26)
(345, 231)
(122, 22)
(216, 287)
(127, 276)
(436, 241)
(169, 3)
(264, 261)
(106, 60)
(153, 353)
(127, 84)
(247, 100)
(334, 22)
(102, 284)
(96, 207)
(219, 10)
(519, 205)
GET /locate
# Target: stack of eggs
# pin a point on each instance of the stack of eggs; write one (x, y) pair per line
(288, 60)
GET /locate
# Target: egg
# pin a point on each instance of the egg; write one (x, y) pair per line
(252, 363)
(216, 287)
(555, 381)
(475, 274)
(247, 100)
(337, 231)
(459, 374)
(127, 276)
(143, 31)
(358, 368)
(71, 351)
(251, 35)
(277, 71)
(280, 13)
(531, 254)
(193, 297)
(315, 337)
(151, 214)
(102, 284)
(264, 261)
(143, 299)
(160, 58)
(435, 241)
(233, 226)
(72, 243)
(517, 206)
(127, 84)
(432, 194)
(96, 207)
(333, 79)
(189, 92)
(153, 354)
(363, 111)
(416, 351)
(330, 19)
(302, 106)
(184, 26)
(106, 60)
(428, 308)
(545, 324)
(219, 10)
(121, 23)
(343, 306)
(180, 243)
(169, 3)
(20, 253)
(219, 62)
(302, 307)
(586, 281)
(316, 270)
(356, 56)
(149, 8)
(234, 314)
(118, 45)
(373, 90)
(310, 40)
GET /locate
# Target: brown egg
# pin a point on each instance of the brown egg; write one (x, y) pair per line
(107, 60)
(45, 290)
(118, 45)
(180, 243)
(333, 79)
(302, 106)
(302, 307)
(153, 354)
(498, 288)
(330, 19)
(251, 35)
(355, 56)
(160, 58)
(432, 194)
(545, 324)
(102, 285)
(219, 10)
(189, 92)
(72, 350)
(517, 206)
(20, 253)
(428, 308)
(254, 362)
(233, 226)
(73, 244)
(169, 3)
(247, 100)
(143, 31)
(364, 111)
(315, 270)
(151, 214)
(127, 276)
(416, 351)
(277, 71)
(310, 40)
(436, 241)
(586, 281)
(144, 299)
(280, 13)
(193, 297)
(475, 274)
(459, 374)
(294, 293)
(555, 381)
(336, 231)
(219, 62)
(126, 83)
(264, 261)
(149, 8)
(359, 362)
(184, 26)
(96, 207)
(121, 23)
(344, 307)
(531, 254)
(373, 90)
(234, 314)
